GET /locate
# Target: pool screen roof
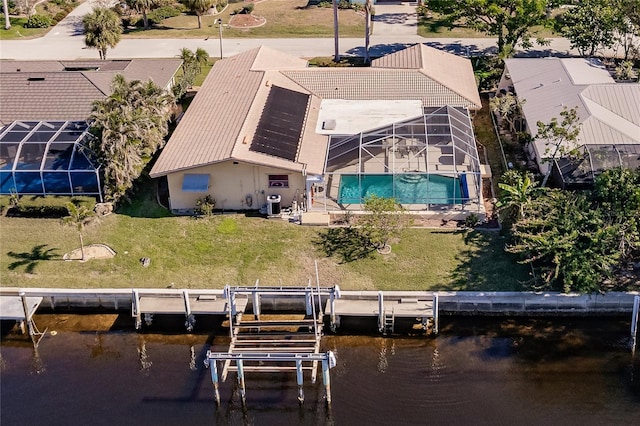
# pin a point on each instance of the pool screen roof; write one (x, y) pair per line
(47, 157)
(439, 141)
(591, 160)
(280, 127)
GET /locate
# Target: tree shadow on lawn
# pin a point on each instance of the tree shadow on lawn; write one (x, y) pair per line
(483, 265)
(31, 259)
(348, 244)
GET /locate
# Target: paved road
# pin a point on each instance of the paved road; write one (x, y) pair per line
(66, 41)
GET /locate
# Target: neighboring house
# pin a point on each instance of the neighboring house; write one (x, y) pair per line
(265, 126)
(43, 111)
(66, 90)
(609, 114)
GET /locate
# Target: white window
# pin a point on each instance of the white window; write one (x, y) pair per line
(278, 181)
(195, 182)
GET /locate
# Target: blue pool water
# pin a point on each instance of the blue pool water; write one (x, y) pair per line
(405, 188)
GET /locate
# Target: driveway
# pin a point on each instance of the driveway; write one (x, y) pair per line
(395, 19)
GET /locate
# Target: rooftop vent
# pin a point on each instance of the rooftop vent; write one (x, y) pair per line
(329, 125)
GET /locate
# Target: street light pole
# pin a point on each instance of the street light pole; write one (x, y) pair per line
(219, 22)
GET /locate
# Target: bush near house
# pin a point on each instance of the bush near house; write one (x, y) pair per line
(41, 207)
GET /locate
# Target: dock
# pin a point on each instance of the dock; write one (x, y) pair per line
(286, 343)
(185, 303)
(387, 307)
(21, 308)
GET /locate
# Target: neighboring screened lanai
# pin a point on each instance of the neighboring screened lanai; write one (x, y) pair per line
(426, 163)
(580, 170)
(47, 158)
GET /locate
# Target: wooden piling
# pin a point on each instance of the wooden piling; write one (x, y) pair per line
(326, 380)
(380, 311)
(435, 314)
(135, 308)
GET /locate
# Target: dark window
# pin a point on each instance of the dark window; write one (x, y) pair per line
(278, 181)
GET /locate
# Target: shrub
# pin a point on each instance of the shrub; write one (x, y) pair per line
(324, 4)
(471, 221)
(59, 16)
(38, 21)
(47, 207)
(160, 14)
(344, 4)
(205, 206)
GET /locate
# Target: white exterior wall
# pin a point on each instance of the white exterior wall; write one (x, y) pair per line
(230, 185)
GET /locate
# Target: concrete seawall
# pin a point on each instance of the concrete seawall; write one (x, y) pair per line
(450, 303)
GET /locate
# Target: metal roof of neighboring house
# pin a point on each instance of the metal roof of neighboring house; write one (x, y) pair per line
(609, 111)
(221, 121)
(65, 90)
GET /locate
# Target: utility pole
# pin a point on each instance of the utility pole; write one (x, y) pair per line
(219, 22)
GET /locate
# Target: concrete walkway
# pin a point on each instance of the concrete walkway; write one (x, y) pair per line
(393, 19)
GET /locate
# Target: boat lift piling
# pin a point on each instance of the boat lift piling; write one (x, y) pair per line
(634, 324)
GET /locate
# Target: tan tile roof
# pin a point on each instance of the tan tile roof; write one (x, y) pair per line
(208, 132)
(223, 117)
(453, 72)
(69, 92)
(46, 96)
(369, 84)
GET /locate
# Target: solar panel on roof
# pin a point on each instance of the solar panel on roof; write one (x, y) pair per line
(280, 126)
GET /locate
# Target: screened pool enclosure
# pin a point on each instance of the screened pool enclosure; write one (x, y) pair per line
(426, 163)
(580, 170)
(47, 158)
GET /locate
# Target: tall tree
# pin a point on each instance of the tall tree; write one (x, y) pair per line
(192, 63)
(508, 107)
(130, 126)
(368, 12)
(336, 36)
(591, 25)
(102, 28)
(5, 9)
(560, 136)
(510, 21)
(79, 217)
(199, 7)
(143, 6)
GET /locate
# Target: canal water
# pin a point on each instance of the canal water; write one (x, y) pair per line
(94, 370)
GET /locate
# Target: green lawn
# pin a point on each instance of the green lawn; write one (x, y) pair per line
(236, 249)
(437, 27)
(17, 30)
(284, 19)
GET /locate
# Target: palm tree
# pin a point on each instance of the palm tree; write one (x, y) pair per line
(130, 126)
(517, 194)
(102, 28)
(142, 6)
(7, 21)
(79, 216)
(199, 7)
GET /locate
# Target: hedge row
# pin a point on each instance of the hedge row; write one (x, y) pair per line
(43, 207)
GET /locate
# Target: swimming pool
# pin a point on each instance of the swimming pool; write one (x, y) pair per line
(405, 188)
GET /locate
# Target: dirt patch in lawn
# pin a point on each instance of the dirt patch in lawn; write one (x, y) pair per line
(243, 20)
(92, 251)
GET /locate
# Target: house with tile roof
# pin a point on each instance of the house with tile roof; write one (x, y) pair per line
(263, 123)
(608, 111)
(43, 112)
(66, 90)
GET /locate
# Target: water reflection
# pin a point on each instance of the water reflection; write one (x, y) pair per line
(476, 372)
